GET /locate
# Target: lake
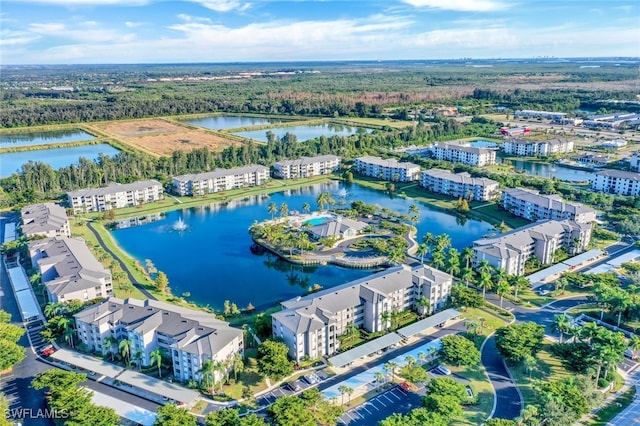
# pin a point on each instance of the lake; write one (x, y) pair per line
(549, 170)
(231, 122)
(43, 138)
(211, 259)
(304, 133)
(58, 157)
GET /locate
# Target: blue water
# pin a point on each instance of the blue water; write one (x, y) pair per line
(43, 138)
(304, 133)
(483, 144)
(58, 157)
(231, 122)
(212, 261)
(552, 170)
(315, 221)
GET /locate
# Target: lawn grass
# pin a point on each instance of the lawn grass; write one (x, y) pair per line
(378, 122)
(481, 387)
(608, 412)
(249, 377)
(489, 322)
(549, 368)
(493, 212)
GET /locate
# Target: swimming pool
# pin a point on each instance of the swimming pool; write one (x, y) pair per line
(315, 221)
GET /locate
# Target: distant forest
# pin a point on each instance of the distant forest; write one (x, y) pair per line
(56, 95)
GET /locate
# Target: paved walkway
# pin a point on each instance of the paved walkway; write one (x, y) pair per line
(631, 415)
(124, 267)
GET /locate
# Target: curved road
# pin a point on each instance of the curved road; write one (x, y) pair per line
(124, 267)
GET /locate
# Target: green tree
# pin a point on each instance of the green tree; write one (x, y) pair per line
(11, 332)
(422, 251)
(272, 359)
(291, 411)
(500, 422)
(306, 208)
(237, 364)
(162, 282)
(503, 289)
(447, 406)
(561, 325)
(446, 386)
(171, 415)
(10, 354)
(125, 349)
(156, 358)
(459, 350)
(515, 341)
(462, 296)
(485, 283)
(324, 199)
(272, 209)
(284, 210)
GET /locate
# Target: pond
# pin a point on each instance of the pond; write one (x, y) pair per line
(304, 133)
(58, 157)
(43, 138)
(211, 259)
(549, 170)
(231, 122)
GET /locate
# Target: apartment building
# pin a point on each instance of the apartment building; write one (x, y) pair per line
(548, 115)
(69, 270)
(45, 219)
(529, 148)
(616, 182)
(311, 325)
(473, 156)
(389, 169)
(220, 180)
(534, 206)
(634, 161)
(187, 336)
(459, 185)
(510, 251)
(306, 167)
(115, 196)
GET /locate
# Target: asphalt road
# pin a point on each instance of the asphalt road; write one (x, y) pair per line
(508, 403)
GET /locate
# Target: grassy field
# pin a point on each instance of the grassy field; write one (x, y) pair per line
(548, 369)
(608, 412)
(250, 377)
(481, 387)
(396, 124)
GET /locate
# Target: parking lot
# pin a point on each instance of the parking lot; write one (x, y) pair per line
(395, 400)
(9, 387)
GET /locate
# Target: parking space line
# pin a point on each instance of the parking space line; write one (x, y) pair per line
(388, 399)
(394, 394)
(365, 409)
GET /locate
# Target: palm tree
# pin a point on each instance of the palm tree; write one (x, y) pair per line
(530, 364)
(588, 331)
(238, 365)
(343, 389)
(428, 239)
(443, 241)
(125, 349)
(561, 324)
(379, 377)
(324, 198)
(424, 303)
(306, 207)
(54, 308)
(391, 367)
(385, 317)
(284, 210)
(67, 329)
(519, 282)
(437, 259)
(218, 367)
(634, 345)
(156, 358)
(485, 282)
(410, 360)
(503, 289)
(467, 256)
(206, 374)
(467, 275)
(108, 343)
(484, 267)
(352, 331)
(423, 250)
(422, 357)
(137, 358)
(272, 209)
(349, 391)
(620, 302)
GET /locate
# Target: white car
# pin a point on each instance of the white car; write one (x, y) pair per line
(443, 370)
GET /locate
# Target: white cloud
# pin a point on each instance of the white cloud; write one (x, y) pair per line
(14, 38)
(85, 2)
(460, 5)
(223, 5)
(131, 24)
(87, 32)
(189, 18)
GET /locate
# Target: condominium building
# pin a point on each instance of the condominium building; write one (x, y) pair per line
(616, 182)
(389, 169)
(69, 270)
(510, 251)
(534, 206)
(311, 325)
(187, 336)
(529, 148)
(306, 167)
(115, 196)
(471, 155)
(220, 180)
(45, 219)
(634, 161)
(459, 185)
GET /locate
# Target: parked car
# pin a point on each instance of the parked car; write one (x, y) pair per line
(406, 386)
(630, 354)
(294, 386)
(443, 370)
(48, 350)
(311, 378)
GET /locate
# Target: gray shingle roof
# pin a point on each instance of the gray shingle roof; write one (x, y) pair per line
(42, 218)
(114, 188)
(619, 174)
(217, 173)
(462, 178)
(389, 162)
(305, 161)
(553, 202)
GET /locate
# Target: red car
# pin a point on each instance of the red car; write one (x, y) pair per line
(406, 386)
(48, 351)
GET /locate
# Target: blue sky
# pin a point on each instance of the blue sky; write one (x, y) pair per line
(162, 31)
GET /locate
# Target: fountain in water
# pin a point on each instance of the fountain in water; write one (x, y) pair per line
(342, 193)
(179, 225)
